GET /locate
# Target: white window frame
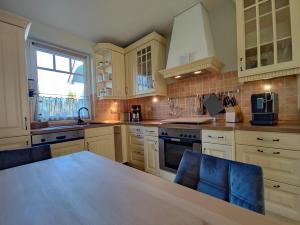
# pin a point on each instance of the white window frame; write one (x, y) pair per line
(34, 45)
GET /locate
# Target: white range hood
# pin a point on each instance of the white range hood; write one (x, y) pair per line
(191, 48)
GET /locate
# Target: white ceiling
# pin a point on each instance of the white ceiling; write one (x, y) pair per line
(117, 21)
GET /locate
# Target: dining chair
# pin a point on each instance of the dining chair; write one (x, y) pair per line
(235, 182)
(18, 157)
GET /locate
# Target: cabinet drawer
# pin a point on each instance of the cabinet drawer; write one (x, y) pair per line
(218, 137)
(221, 151)
(99, 131)
(66, 148)
(278, 164)
(269, 139)
(136, 129)
(135, 141)
(137, 158)
(282, 199)
(15, 143)
(151, 131)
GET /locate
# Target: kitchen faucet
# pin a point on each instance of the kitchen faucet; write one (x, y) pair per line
(80, 121)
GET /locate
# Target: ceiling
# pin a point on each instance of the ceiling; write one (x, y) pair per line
(117, 21)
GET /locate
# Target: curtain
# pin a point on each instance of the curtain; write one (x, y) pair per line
(59, 108)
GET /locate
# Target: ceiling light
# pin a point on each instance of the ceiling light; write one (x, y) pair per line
(198, 72)
(177, 77)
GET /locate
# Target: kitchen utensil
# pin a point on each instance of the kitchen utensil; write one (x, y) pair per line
(213, 105)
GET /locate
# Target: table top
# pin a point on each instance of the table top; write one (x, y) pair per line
(86, 189)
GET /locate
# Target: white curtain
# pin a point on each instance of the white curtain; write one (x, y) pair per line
(58, 108)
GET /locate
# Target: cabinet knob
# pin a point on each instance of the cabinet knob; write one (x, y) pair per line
(276, 186)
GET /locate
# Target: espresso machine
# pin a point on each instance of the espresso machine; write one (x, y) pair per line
(136, 113)
(264, 108)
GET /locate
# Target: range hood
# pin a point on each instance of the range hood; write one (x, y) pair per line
(191, 49)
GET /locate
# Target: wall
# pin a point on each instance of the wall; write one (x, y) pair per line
(286, 87)
(59, 37)
(223, 26)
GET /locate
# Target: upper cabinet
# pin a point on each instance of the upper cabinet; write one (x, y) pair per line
(144, 59)
(110, 71)
(268, 38)
(14, 110)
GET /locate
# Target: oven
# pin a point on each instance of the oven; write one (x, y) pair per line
(172, 144)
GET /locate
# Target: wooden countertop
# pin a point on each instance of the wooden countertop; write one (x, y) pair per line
(283, 127)
(84, 188)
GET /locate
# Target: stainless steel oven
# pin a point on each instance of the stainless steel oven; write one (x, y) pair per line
(172, 144)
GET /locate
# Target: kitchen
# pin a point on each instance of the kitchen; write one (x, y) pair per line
(221, 79)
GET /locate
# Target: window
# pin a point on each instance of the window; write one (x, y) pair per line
(62, 82)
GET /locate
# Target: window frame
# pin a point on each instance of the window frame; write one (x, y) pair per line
(35, 45)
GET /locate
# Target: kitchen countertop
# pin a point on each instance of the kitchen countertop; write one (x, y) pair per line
(284, 127)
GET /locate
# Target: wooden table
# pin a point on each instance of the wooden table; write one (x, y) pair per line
(85, 189)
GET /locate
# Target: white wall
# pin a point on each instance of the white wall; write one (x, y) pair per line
(59, 37)
(223, 26)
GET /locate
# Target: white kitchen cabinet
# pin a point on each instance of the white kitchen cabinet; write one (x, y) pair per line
(268, 38)
(218, 143)
(220, 151)
(101, 141)
(151, 151)
(15, 142)
(144, 59)
(279, 156)
(110, 71)
(67, 147)
(14, 119)
(135, 146)
(282, 199)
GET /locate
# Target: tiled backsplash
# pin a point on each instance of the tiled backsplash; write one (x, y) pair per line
(286, 87)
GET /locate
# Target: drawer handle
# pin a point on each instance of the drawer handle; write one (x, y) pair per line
(219, 137)
(276, 153)
(260, 139)
(276, 186)
(276, 140)
(260, 150)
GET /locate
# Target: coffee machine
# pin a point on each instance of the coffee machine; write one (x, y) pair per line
(136, 113)
(264, 108)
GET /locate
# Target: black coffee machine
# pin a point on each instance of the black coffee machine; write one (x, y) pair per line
(264, 108)
(136, 113)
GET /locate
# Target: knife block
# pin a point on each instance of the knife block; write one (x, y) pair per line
(233, 114)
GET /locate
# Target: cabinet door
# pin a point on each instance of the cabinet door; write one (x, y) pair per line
(66, 148)
(266, 40)
(13, 82)
(220, 151)
(15, 143)
(130, 62)
(151, 155)
(102, 145)
(118, 75)
(135, 141)
(278, 164)
(282, 199)
(144, 81)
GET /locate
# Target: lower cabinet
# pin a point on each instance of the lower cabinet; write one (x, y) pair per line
(100, 141)
(220, 151)
(135, 147)
(151, 155)
(15, 142)
(282, 199)
(66, 148)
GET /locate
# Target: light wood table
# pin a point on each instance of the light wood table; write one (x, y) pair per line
(85, 189)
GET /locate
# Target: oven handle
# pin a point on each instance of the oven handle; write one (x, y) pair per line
(180, 140)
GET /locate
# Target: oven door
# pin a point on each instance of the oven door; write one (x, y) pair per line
(172, 149)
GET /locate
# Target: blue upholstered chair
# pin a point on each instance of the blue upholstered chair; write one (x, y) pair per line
(18, 157)
(238, 183)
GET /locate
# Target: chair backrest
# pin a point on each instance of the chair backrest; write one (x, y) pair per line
(238, 183)
(188, 170)
(18, 157)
